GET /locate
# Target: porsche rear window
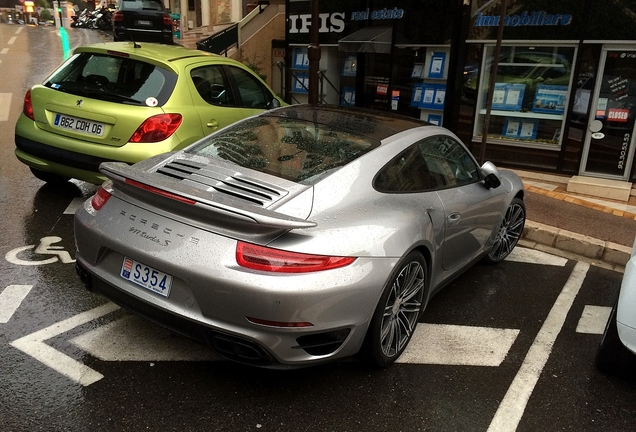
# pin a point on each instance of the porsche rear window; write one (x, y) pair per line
(114, 78)
(296, 150)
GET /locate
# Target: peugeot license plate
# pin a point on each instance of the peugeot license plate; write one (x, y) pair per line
(146, 276)
(79, 125)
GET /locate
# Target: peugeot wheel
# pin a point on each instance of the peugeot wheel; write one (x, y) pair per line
(397, 312)
(509, 232)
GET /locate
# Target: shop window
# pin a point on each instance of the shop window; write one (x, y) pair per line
(530, 95)
(429, 73)
(300, 71)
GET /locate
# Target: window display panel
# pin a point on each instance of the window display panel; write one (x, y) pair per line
(530, 94)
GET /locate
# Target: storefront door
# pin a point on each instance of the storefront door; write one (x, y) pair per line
(609, 145)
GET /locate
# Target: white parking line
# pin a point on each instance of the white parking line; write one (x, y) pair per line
(533, 256)
(35, 346)
(10, 300)
(458, 345)
(131, 338)
(5, 106)
(514, 403)
(593, 319)
(4, 50)
(74, 205)
(11, 40)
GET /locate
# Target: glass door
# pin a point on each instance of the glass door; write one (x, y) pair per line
(609, 145)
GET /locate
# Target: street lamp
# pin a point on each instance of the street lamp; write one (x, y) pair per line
(59, 12)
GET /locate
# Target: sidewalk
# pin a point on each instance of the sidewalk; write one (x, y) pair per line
(583, 227)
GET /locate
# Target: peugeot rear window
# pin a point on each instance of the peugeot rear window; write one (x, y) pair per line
(296, 150)
(114, 78)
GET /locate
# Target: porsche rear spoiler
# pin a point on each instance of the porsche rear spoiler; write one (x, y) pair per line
(120, 172)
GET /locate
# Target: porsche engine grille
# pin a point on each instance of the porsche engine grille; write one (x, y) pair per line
(239, 186)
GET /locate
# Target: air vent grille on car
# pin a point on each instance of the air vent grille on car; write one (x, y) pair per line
(236, 185)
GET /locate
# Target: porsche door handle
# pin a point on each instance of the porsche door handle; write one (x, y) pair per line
(453, 219)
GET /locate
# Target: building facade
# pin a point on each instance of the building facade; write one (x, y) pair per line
(564, 93)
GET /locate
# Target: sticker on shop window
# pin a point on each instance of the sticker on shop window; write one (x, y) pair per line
(618, 115)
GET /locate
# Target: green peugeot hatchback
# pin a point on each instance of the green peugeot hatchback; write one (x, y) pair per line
(127, 101)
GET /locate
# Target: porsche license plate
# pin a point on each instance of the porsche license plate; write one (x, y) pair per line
(146, 276)
(143, 23)
(78, 125)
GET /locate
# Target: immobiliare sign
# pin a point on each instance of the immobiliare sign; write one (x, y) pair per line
(525, 19)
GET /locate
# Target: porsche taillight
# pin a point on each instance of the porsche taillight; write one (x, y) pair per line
(101, 196)
(27, 108)
(167, 20)
(263, 258)
(118, 16)
(157, 128)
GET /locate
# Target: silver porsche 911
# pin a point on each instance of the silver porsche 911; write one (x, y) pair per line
(299, 236)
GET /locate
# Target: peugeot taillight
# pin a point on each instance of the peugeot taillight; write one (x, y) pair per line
(157, 128)
(27, 108)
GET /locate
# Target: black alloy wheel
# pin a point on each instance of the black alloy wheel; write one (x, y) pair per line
(396, 315)
(509, 233)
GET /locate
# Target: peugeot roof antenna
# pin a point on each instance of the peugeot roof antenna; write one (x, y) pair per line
(135, 44)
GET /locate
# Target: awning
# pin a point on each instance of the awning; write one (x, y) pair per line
(368, 39)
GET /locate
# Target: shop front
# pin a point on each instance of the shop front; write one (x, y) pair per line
(563, 98)
(385, 55)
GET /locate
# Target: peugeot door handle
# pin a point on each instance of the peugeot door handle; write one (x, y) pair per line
(453, 219)
(213, 124)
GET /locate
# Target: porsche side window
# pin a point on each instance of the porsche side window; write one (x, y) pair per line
(407, 172)
(253, 93)
(211, 84)
(448, 161)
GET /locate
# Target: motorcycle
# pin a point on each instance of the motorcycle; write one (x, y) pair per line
(81, 20)
(102, 19)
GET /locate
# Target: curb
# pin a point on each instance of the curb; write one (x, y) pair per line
(573, 245)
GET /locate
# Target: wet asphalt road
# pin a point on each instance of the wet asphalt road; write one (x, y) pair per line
(147, 379)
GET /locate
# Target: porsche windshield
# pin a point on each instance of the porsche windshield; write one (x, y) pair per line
(292, 149)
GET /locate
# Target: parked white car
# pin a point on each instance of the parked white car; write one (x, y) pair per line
(618, 347)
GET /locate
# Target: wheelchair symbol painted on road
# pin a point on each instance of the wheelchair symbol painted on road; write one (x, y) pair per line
(44, 248)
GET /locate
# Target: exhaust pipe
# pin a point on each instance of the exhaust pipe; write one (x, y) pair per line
(84, 276)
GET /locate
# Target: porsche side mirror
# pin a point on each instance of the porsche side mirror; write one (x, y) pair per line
(490, 175)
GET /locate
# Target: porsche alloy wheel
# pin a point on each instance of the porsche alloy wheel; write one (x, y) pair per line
(509, 233)
(396, 315)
